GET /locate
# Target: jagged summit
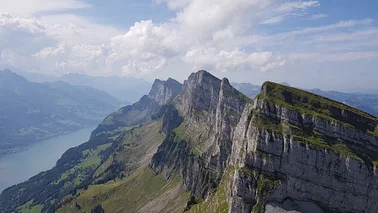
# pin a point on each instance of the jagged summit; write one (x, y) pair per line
(164, 91)
(203, 91)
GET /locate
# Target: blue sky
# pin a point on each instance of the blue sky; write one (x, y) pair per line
(325, 44)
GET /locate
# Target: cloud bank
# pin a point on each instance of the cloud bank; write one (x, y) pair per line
(222, 35)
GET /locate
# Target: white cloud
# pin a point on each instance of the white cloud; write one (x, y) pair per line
(274, 65)
(291, 37)
(30, 7)
(50, 51)
(225, 61)
(347, 36)
(289, 7)
(318, 16)
(279, 13)
(147, 47)
(338, 25)
(273, 20)
(144, 48)
(334, 57)
(223, 35)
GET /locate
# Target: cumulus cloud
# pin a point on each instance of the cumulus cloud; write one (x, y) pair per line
(220, 35)
(147, 47)
(143, 49)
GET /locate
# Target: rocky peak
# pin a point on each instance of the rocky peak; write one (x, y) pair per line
(164, 91)
(209, 109)
(203, 92)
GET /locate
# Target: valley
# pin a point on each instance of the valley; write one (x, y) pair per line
(203, 146)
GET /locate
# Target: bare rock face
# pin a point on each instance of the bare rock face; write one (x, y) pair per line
(286, 151)
(200, 144)
(164, 91)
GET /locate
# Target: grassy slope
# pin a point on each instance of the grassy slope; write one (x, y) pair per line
(29, 208)
(317, 106)
(141, 188)
(137, 145)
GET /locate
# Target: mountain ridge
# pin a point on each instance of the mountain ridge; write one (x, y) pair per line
(209, 148)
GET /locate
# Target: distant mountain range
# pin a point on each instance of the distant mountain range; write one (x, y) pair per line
(247, 89)
(35, 111)
(365, 102)
(124, 88)
(127, 89)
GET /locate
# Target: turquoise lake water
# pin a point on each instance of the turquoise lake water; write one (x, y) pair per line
(41, 156)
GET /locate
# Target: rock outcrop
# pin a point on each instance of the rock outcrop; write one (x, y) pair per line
(289, 153)
(200, 144)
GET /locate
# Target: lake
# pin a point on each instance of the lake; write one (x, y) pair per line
(41, 156)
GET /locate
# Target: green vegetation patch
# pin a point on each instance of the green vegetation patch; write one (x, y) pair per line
(217, 202)
(127, 195)
(375, 133)
(180, 134)
(29, 208)
(317, 106)
(258, 207)
(316, 140)
(343, 149)
(313, 139)
(92, 160)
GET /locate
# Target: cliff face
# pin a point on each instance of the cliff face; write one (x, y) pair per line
(291, 158)
(164, 91)
(286, 151)
(200, 142)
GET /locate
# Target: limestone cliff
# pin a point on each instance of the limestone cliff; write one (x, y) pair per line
(199, 144)
(296, 151)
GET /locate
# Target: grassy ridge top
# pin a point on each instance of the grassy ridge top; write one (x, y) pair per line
(317, 105)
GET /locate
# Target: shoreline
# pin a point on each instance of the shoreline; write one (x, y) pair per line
(19, 167)
(25, 148)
